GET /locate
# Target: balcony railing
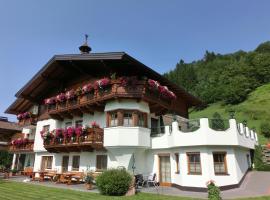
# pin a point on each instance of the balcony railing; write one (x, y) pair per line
(92, 139)
(94, 101)
(23, 147)
(28, 122)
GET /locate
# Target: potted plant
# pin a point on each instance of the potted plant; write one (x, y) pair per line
(14, 172)
(89, 181)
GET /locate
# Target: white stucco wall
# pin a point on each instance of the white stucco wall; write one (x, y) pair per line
(236, 165)
(127, 136)
(203, 136)
(87, 160)
(128, 104)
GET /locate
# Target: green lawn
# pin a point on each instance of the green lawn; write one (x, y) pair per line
(23, 191)
(255, 110)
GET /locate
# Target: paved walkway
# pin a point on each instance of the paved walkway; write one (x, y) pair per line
(255, 184)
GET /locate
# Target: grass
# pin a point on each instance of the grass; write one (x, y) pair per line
(12, 190)
(255, 110)
(24, 191)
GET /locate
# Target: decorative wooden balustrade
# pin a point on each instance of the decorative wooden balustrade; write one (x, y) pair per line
(92, 139)
(28, 122)
(88, 103)
(25, 146)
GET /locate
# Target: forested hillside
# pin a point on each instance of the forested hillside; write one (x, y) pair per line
(255, 110)
(228, 78)
(239, 81)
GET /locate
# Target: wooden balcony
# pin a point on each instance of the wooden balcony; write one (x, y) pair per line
(28, 122)
(95, 101)
(92, 140)
(24, 148)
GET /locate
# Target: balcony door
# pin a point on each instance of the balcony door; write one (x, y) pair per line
(65, 161)
(165, 170)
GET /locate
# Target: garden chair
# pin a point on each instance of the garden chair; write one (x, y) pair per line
(139, 180)
(151, 179)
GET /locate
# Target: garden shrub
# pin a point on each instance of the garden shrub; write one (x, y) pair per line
(217, 122)
(114, 182)
(213, 191)
(258, 160)
(265, 129)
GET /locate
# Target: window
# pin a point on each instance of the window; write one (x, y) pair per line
(68, 124)
(46, 162)
(101, 163)
(46, 128)
(114, 120)
(220, 165)
(177, 163)
(78, 123)
(75, 163)
(140, 119)
(194, 163)
(127, 119)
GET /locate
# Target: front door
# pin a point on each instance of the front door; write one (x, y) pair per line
(65, 163)
(164, 170)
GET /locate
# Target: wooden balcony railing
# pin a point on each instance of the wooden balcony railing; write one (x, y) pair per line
(24, 147)
(92, 139)
(94, 101)
(28, 121)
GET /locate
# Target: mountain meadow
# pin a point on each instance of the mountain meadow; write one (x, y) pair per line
(238, 82)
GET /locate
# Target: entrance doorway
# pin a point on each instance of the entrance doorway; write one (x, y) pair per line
(165, 170)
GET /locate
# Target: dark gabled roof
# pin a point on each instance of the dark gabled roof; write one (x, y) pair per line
(9, 126)
(62, 66)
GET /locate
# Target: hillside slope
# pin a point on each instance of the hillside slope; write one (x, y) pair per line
(255, 109)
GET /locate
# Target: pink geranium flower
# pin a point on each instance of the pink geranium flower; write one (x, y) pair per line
(70, 94)
(61, 97)
(94, 124)
(78, 131)
(102, 83)
(58, 133)
(50, 101)
(153, 84)
(87, 88)
(70, 131)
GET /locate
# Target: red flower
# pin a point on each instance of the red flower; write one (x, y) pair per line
(70, 131)
(19, 116)
(65, 133)
(58, 132)
(24, 115)
(70, 94)
(78, 131)
(50, 101)
(153, 84)
(87, 88)
(94, 124)
(102, 83)
(61, 97)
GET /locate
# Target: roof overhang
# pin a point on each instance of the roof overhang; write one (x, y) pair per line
(61, 68)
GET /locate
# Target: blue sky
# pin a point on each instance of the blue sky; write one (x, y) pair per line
(157, 32)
